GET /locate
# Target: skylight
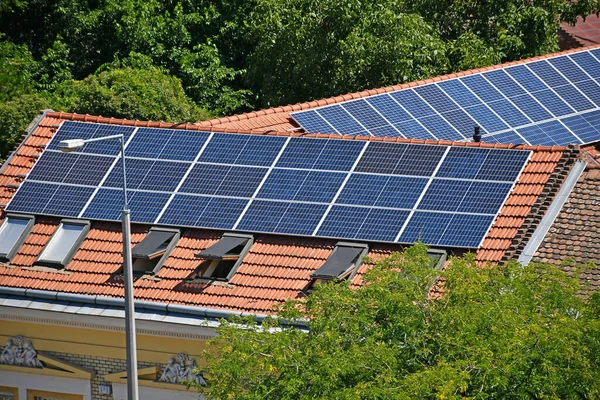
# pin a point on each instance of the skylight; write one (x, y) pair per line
(64, 243)
(13, 232)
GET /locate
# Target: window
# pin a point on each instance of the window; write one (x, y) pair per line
(342, 263)
(224, 257)
(9, 393)
(150, 254)
(40, 395)
(13, 232)
(438, 258)
(64, 243)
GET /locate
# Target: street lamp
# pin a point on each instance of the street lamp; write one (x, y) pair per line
(132, 378)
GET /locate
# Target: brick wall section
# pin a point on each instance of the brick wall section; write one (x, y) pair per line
(101, 367)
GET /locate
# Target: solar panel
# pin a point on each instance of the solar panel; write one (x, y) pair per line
(345, 189)
(526, 103)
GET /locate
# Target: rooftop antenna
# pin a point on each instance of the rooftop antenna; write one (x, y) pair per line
(476, 135)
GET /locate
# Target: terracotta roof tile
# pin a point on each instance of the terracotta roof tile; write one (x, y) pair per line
(575, 233)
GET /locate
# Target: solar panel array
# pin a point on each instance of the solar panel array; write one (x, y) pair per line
(555, 101)
(371, 191)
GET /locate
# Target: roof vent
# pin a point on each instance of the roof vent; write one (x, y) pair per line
(476, 135)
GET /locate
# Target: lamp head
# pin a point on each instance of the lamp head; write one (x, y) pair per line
(70, 145)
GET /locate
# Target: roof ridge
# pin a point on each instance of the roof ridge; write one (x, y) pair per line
(375, 91)
(187, 126)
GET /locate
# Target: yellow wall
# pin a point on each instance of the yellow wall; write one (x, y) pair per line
(91, 342)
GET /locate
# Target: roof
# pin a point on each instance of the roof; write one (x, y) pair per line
(276, 267)
(575, 234)
(583, 33)
(279, 119)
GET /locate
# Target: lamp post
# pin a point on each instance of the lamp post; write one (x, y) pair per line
(132, 378)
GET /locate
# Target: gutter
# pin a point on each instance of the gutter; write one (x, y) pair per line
(557, 204)
(208, 313)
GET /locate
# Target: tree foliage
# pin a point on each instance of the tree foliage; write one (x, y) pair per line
(499, 332)
(236, 55)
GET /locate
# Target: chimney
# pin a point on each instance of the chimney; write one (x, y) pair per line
(477, 135)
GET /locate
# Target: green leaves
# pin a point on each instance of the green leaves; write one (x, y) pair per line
(495, 332)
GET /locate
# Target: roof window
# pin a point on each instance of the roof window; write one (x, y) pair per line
(342, 263)
(150, 254)
(13, 232)
(64, 243)
(224, 257)
(438, 258)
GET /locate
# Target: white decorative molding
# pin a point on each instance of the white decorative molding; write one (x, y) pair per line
(182, 369)
(20, 352)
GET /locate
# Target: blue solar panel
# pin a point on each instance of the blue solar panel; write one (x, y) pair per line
(50, 199)
(301, 185)
(461, 122)
(221, 212)
(503, 82)
(462, 162)
(505, 137)
(588, 63)
(82, 130)
(382, 191)
(107, 204)
(170, 144)
(425, 227)
(341, 120)
(148, 174)
(388, 107)
(440, 128)
(509, 113)
(365, 114)
(335, 155)
(568, 68)
(382, 225)
(549, 134)
(486, 118)
(531, 108)
(582, 128)
(242, 149)
(74, 168)
(301, 218)
(514, 98)
(348, 189)
(459, 93)
(503, 165)
(436, 98)
(553, 103)
(444, 195)
(466, 229)
(413, 129)
(313, 122)
(484, 197)
(413, 103)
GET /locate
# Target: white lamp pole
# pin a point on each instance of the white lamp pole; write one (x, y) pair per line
(132, 378)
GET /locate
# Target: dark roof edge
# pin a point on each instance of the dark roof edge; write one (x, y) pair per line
(187, 126)
(208, 313)
(557, 204)
(372, 92)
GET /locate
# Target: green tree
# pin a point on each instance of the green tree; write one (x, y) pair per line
(17, 70)
(15, 116)
(310, 49)
(145, 94)
(499, 332)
